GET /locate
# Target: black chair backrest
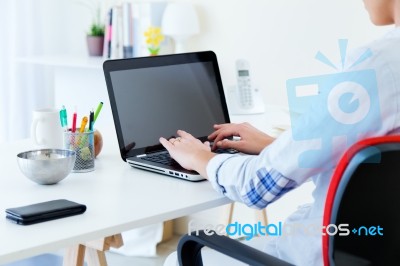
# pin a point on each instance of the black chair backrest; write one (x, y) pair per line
(368, 201)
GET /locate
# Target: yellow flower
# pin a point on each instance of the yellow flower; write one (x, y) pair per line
(154, 37)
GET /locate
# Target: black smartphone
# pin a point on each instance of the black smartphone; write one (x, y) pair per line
(44, 211)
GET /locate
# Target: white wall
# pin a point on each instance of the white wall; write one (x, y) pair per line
(279, 38)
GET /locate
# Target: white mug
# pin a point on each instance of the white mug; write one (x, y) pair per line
(46, 130)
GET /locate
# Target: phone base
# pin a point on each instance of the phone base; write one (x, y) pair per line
(234, 105)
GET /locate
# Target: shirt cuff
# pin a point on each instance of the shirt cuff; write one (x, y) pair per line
(212, 169)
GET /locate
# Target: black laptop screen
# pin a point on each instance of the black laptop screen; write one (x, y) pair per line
(156, 101)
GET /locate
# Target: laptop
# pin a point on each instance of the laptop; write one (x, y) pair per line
(153, 97)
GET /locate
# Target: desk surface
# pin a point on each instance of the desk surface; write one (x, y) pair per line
(118, 198)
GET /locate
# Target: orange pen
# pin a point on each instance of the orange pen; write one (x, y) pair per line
(83, 124)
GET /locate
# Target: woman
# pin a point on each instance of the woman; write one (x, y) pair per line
(271, 169)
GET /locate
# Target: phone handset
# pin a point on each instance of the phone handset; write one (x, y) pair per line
(244, 88)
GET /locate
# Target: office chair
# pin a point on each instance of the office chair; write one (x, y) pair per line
(362, 196)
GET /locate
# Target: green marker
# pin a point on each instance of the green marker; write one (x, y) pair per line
(96, 114)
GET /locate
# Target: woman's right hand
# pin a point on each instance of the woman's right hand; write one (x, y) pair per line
(252, 140)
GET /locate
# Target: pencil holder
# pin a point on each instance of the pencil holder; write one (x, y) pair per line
(83, 145)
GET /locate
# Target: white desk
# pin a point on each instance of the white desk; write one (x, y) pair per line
(118, 198)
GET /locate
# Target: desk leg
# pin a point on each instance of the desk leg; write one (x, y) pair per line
(261, 216)
(74, 256)
(95, 257)
(228, 213)
(95, 250)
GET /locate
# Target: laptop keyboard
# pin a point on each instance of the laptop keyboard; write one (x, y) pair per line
(229, 151)
(165, 158)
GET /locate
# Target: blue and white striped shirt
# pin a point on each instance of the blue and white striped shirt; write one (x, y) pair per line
(257, 189)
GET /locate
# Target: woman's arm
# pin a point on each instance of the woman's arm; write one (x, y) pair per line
(242, 178)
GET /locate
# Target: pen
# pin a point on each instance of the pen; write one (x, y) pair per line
(74, 122)
(63, 118)
(83, 124)
(91, 120)
(96, 114)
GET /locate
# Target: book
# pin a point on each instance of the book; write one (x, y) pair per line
(127, 29)
(107, 35)
(115, 44)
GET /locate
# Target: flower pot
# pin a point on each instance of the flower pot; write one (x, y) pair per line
(95, 45)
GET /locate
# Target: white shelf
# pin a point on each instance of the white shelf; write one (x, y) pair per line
(65, 61)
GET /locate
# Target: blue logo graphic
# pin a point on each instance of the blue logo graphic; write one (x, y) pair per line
(368, 231)
(340, 105)
(248, 231)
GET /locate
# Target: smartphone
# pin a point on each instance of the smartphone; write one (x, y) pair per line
(44, 211)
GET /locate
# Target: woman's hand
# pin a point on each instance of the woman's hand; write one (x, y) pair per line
(189, 152)
(252, 140)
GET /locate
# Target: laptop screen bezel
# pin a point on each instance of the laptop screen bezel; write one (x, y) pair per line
(156, 61)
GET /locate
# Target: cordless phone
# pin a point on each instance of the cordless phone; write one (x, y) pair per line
(244, 87)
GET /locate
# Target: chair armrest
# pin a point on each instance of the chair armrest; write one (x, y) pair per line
(189, 250)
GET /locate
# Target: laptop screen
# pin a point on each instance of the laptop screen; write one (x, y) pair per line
(155, 101)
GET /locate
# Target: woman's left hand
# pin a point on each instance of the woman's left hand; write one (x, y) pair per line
(189, 152)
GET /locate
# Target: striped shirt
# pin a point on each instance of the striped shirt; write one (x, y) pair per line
(259, 188)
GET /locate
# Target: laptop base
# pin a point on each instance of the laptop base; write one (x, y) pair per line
(164, 171)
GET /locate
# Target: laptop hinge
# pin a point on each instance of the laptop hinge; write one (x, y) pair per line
(141, 155)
